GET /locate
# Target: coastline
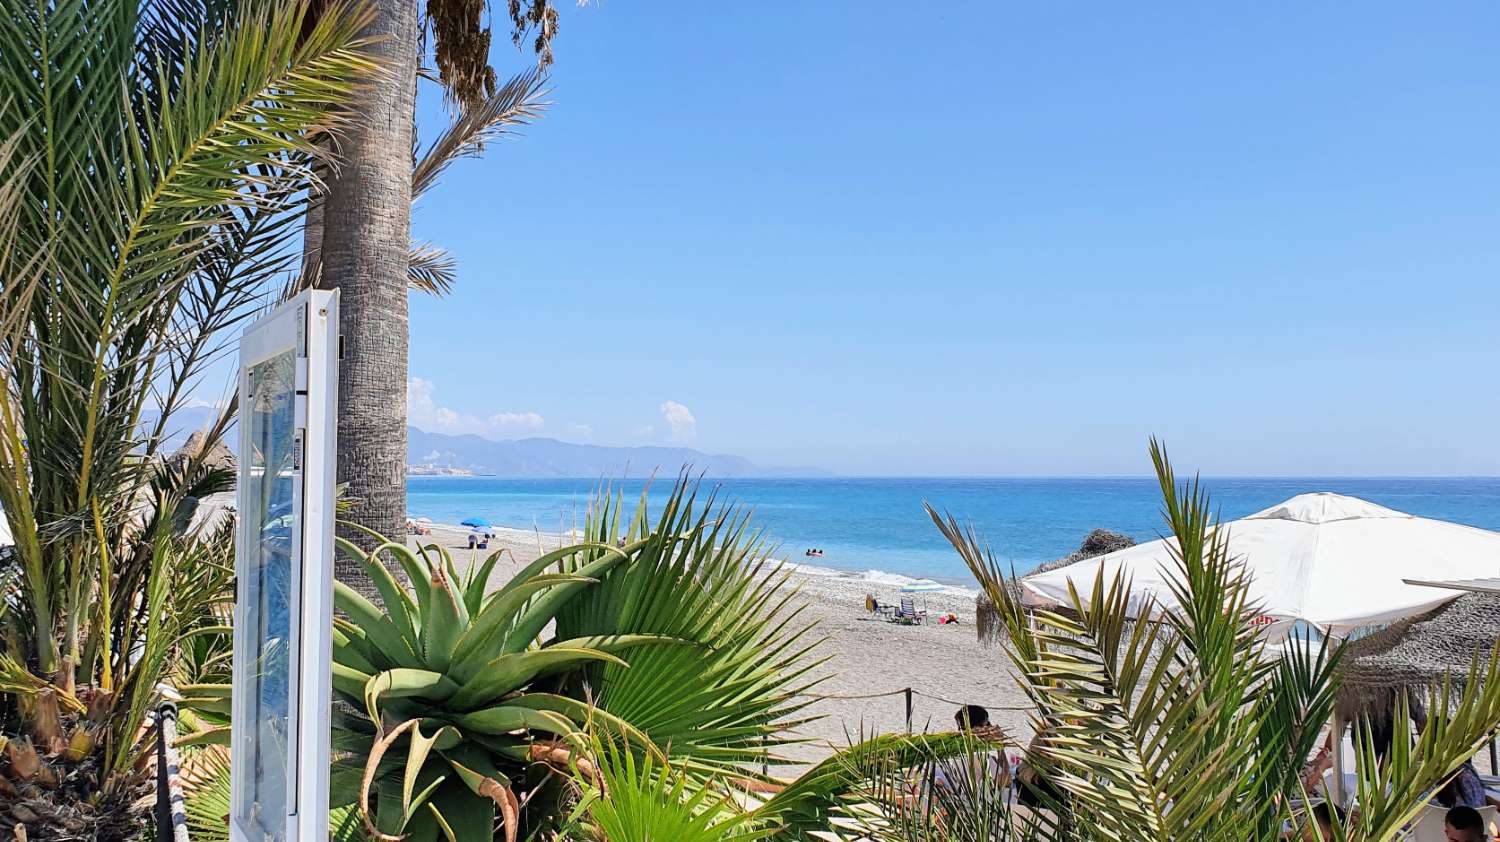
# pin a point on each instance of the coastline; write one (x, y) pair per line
(869, 662)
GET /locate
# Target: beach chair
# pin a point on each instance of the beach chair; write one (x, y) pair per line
(908, 612)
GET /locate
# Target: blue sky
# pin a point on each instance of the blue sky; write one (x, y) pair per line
(988, 238)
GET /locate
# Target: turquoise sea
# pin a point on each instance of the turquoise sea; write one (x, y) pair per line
(878, 525)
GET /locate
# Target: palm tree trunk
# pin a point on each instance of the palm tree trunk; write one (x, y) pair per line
(366, 221)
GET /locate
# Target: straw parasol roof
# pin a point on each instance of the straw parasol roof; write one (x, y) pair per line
(1098, 542)
(1419, 651)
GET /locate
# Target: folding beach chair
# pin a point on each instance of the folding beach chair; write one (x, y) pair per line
(908, 611)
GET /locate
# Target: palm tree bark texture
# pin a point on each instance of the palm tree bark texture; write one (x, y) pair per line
(365, 240)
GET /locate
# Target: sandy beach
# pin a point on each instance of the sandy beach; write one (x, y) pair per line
(943, 664)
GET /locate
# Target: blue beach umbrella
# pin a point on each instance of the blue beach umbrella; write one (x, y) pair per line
(476, 523)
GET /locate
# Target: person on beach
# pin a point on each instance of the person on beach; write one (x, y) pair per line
(970, 718)
(1321, 817)
(1464, 824)
(1464, 789)
(974, 720)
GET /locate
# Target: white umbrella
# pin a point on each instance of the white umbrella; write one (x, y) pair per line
(921, 586)
(1333, 561)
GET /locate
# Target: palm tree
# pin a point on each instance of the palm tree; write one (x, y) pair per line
(363, 236)
(154, 157)
(366, 231)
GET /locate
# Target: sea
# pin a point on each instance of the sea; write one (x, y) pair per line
(876, 527)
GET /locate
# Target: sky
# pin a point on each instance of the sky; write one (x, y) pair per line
(979, 238)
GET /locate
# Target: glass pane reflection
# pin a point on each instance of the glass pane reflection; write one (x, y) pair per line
(262, 755)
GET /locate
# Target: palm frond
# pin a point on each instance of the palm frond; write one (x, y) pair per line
(160, 152)
(643, 799)
(430, 269)
(517, 103)
(704, 576)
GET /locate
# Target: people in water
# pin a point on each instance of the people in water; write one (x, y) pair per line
(814, 553)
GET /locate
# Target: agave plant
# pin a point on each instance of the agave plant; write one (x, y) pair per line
(154, 157)
(459, 711)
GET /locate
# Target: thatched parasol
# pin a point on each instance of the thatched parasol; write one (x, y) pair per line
(1418, 652)
(1096, 543)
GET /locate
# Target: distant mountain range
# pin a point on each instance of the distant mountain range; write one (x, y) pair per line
(439, 453)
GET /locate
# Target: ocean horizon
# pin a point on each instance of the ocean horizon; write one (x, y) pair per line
(876, 526)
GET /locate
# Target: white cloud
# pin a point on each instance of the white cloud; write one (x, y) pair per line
(517, 421)
(579, 431)
(680, 421)
(423, 411)
(199, 403)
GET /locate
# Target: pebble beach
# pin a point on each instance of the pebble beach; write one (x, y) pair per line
(870, 662)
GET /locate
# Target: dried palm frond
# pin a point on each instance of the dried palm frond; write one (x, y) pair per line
(430, 269)
(519, 102)
(462, 43)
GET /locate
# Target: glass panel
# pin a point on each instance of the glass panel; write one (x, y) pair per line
(266, 592)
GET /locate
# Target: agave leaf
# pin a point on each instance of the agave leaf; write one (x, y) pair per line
(479, 579)
(477, 772)
(506, 719)
(474, 649)
(511, 672)
(397, 602)
(456, 815)
(422, 799)
(556, 556)
(408, 561)
(585, 715)
(416, 758)
(541, 610)
(389, 647)
(407, 683)
(349, 681)
(346, 651)
(444, 625)
(442, 823)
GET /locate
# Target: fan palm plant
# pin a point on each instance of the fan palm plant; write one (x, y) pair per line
(156, 156)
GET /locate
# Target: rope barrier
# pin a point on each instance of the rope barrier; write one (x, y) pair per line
(961, 704)
(841, 697)
(903, 691)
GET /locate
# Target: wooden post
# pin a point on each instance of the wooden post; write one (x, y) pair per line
(908, 710)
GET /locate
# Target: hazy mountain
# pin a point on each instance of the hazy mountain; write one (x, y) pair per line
(544, 457)
(532, 457)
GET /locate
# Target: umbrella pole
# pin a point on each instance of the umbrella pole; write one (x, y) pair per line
(1336, 787)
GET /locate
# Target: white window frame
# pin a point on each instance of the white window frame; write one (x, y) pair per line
(307, 323)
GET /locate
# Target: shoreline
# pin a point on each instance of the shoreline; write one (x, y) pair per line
(869, 662)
